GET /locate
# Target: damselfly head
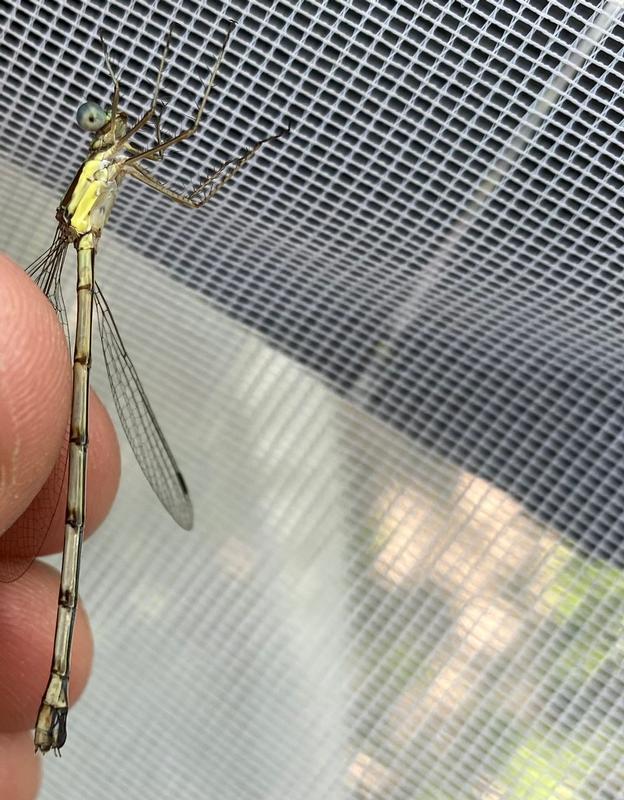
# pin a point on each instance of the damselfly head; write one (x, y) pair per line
(93, 117)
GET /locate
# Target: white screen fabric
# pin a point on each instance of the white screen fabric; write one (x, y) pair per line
(389, 360)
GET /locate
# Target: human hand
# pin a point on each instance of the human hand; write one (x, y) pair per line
(35, 398)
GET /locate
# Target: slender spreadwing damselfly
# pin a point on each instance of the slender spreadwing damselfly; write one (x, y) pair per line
(81, 216)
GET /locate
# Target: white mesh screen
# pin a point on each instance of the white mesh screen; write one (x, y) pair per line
(389, 361)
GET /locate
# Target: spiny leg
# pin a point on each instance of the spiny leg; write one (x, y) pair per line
(111, 72)
(162, 146)
(166, 50)
(157, 107)
(192, 199)
(147, 178)
(156, 156)
(152, 110)
(237, 165)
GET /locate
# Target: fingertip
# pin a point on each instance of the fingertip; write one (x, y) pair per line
(27, 619)
(35, 389)
(39, 531)
(20, 769)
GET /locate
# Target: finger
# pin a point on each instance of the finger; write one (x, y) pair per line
(47, 511)
(33, 352)
(20, 769)
(27, 618)
(35, 390)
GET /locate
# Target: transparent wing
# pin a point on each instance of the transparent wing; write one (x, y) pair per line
(139, 422)
(23, 541)
(46, 272)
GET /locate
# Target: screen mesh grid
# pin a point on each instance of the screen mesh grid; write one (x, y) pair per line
(389, 361)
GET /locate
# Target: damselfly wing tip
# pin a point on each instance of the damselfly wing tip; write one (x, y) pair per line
(184, 515)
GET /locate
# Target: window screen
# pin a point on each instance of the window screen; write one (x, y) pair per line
(389, 359)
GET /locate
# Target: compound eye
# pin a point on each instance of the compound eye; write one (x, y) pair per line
(91, 116)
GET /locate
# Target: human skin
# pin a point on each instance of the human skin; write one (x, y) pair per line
(35, 398)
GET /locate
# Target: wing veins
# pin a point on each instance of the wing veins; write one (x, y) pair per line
(138, 420)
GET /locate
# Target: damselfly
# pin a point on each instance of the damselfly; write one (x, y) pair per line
(81, 216)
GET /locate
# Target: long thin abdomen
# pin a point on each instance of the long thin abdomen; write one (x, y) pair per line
(50, 732)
